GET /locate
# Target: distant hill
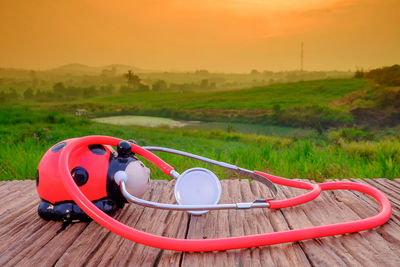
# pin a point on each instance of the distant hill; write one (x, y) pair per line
(81, 69)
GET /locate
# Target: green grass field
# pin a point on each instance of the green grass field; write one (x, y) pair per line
(320, 92)
(26, 134)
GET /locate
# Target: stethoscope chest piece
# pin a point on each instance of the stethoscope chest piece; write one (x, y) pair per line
(198, 186)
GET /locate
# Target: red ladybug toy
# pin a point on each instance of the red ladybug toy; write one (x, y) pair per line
(93, 168)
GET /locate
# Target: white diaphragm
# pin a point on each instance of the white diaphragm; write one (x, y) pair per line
(198, 186)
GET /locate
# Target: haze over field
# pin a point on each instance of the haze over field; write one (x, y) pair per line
(181, 35)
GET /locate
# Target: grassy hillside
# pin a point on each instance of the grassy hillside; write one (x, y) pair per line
(299, 104)
(320, 92)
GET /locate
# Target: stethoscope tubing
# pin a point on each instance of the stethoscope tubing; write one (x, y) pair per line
(222, 243)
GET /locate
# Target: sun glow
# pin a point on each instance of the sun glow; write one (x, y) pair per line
(224, 35)
(271, 5)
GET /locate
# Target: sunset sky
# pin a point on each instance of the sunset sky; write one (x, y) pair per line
(184, 35)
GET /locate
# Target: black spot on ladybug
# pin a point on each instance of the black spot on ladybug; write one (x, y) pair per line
(58, 147)
(80, 175)
(37, 177)
(97, 149)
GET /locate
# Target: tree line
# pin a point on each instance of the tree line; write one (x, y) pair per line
(389, 76)
(134, 83)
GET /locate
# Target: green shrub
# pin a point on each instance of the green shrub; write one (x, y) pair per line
(389, 76)
(350, 134)
(314, 115)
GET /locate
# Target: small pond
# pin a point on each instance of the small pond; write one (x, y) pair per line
(146, 121)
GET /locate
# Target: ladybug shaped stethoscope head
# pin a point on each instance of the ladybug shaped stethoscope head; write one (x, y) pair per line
(93, 169)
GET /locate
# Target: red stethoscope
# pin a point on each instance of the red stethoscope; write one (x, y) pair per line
(219, 243)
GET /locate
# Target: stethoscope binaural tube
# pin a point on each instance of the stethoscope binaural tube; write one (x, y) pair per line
(221, 243)
(258, 203)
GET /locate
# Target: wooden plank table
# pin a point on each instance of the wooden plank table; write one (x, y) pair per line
(28, 240)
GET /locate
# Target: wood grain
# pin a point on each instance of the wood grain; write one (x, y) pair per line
(26, 239)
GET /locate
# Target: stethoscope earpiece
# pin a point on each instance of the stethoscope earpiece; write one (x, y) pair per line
(120, 176)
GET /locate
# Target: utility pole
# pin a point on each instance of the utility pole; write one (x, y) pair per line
(302, 57)
(301, 60)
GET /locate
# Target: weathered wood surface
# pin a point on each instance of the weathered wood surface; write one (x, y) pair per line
(27, 240)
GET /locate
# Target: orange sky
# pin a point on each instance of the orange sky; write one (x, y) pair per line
(219, 35)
